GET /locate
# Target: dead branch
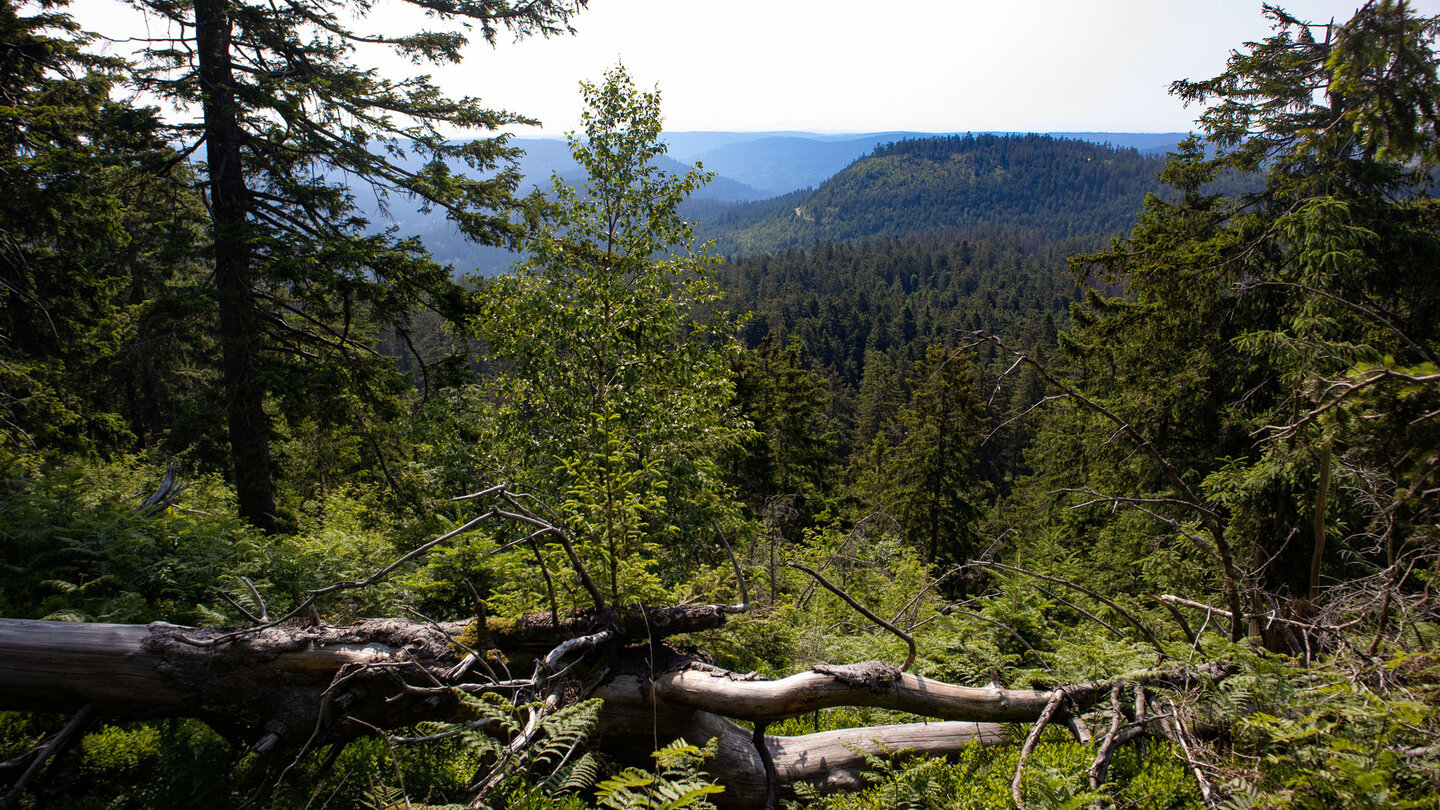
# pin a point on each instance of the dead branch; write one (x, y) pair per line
(382, 574)
(239, 608)
(164, 496)
(551, 662)
(1182, 736)
(488, 778)
(1205, 546)
(1337, 393)
(744, 605)
(864, 611)
(1028, 646)
(56, 745)
(1179, 617)
(1130, 617)
(1371, 312)
(1082, 611)
(1272, 616)
(772, 776)
(1101, 765)
(527, 516)
(255, 594)
(914, 600)
(825, 686)
(1051, 705)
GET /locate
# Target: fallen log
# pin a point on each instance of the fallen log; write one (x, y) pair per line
(827, 761)
(825, 687)
(300, 685)
(273, 681)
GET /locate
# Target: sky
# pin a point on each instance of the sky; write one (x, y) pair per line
(839, 66)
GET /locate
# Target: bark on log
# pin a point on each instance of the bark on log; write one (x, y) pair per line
(298, 683)
(868, 684)
(272, 681)
(829, 761)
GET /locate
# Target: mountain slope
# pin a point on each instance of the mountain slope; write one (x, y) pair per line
(782, 162)
(1056, 187)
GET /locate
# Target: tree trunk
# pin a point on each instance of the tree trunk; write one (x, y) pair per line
(240, 326)
(300, 685)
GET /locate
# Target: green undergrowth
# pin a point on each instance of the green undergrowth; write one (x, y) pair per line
(77, 544)
(186, 764)
(979, 779)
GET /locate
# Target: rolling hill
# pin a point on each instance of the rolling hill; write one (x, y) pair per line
(1059, 188)
(780, 189)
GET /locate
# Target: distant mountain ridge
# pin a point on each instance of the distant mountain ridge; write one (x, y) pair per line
(1056, 187)
(782, 162)
(758, 165)
(763, 177)
(545, 157)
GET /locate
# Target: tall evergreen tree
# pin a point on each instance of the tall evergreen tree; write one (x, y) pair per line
(284, 109)
(938, 489)
(1214, 390)
(920, 468)
(96, 228)
(791, 453)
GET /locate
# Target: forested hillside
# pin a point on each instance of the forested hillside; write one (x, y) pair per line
(912, 185)
(1056, 187)
(978, 477)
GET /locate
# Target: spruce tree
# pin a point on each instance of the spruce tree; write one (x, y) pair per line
(1247, 320)
(96, 230)
(291, 128)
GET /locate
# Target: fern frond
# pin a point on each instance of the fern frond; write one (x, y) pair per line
(382, 797)
(563, 732)
(580, 775)
(621, 790)
(688, 793)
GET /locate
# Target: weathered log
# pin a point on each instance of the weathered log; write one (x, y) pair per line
(635, 717)
(828, 761)
(297, 685)
(868, 684)
(269, 682)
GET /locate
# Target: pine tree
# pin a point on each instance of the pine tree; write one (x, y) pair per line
(284, 110)
(1245, 317)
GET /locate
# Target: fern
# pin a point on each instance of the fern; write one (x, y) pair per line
(562, 734)
(382, 797)
(679, 783)
(581, 775)
(552, 765)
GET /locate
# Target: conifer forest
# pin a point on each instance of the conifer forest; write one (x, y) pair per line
(996, 471)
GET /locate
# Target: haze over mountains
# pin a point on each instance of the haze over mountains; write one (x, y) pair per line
(780, 189)
(780, 162)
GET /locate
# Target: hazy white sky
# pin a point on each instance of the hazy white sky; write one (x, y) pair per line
(844, 66)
